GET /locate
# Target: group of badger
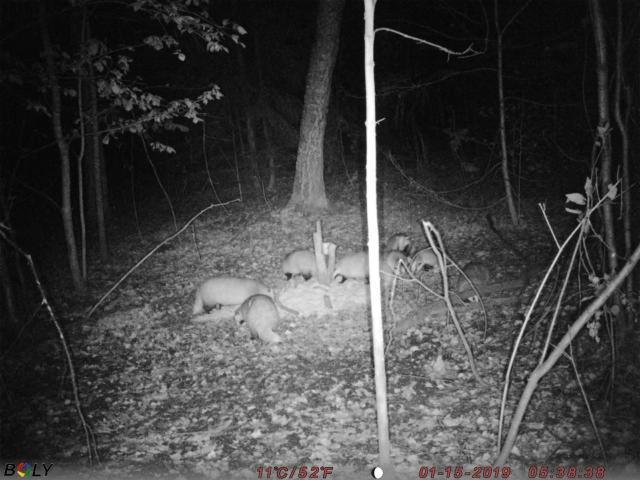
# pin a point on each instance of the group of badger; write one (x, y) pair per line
(258, 303)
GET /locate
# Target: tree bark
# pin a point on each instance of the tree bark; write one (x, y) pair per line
(96, 161)
(604, 130)
(268, 147)
(263, 110)
(250, 153)
(377, 331)
(6, 259)
(82, 81)
(252, 148)
(503, 129)
(106, 208)
(87, 168)
(81, 161)
(308, 185)
(332, 149)
(7, 290)
(63, 148)
(624, 138)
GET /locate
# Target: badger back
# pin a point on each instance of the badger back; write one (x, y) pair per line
(399, 242)
(424, 260)
(354, 266)
(299, 262)
(226, 291)
(260, 314)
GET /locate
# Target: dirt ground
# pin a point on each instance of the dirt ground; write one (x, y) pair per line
(167, 396)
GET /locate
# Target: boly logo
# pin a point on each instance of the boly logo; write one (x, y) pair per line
(24, 470)
(27, 470)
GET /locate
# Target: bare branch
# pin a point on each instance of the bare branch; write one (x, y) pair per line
(467, 52)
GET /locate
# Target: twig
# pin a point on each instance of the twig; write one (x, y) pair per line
(585, 397)
(89, 437)
(543, 209)
(559, 350)
(579, 228)
(133, 201)
(436, 195)
(155, 173)
(153, 250)
(433, 236)
(478, 295)
(206, 162)
(465, 52)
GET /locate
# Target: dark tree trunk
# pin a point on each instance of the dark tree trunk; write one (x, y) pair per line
(623, 123)
(503, 129)
(308, 185)
(248, 96)
(332, 147)
(63, 148)
(87, 167)
(105, 186)
(268, 147)
(8, 293)
(97, 160)
(252, 148)
(7, 302)
(263, 109)
(604, 133)
(90, 158)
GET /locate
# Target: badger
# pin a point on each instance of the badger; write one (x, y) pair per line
(355, 266)
(218, 291)
(399, 242)
(423, 260)
(388, 264)
(260, 314)
(479, 275)
(300, 262)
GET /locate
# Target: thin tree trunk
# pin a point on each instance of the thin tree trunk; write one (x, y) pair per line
(82, 79)
(6, 259)
(63, 148)
(96, 161)
(241, 141)
(263, 108)
(233, 122)
(377, 331)
(308, 185)
(88, 180)
(604, 133)
(624, 137)
(271, 186)
(503, 129)
(7, 289)
(105, 186)
(81, 155)
(157, 176)
(252, 148)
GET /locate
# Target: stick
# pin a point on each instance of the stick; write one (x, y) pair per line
(88, 432)
(153, 250)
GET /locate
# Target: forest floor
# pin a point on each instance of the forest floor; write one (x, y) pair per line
(170, 397)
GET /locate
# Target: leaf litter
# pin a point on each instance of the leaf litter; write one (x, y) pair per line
(202, 396)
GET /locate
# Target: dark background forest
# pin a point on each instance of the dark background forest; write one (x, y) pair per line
(428, 100)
